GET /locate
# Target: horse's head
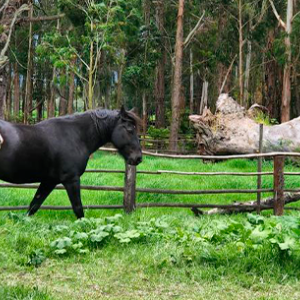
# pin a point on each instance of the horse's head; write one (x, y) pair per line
(125, 137)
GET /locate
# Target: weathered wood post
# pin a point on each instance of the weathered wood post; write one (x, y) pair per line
(259, 166)
(129, 188)
(278, 185)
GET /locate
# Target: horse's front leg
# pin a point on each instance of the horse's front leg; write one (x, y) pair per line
(40, 196)
(73, 190)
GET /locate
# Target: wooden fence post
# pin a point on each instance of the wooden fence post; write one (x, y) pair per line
(278, 185)
(129, 190)
(259, 166)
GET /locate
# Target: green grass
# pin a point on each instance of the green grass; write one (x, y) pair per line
(168, 263)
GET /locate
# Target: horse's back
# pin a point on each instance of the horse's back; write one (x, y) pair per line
(23, 154)
(45, 151)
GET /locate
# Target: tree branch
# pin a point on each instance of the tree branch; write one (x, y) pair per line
(193, 32)
(295, 15)
(3, 7)
(260, 18)
(226, 76)
(282, 24)
(3, 58)
(40, 19)
(267, 203)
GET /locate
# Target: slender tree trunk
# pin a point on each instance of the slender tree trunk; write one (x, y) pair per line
(204, 97)
(23, 92)
(272, 80)
(191, 83)
(29, 85)
(40, 92)
(51, 100)
(71, 88)
(91, 72)
(241, 43)
(177, 82)
(144, 116)
(107, 102)
(16, 91)
(247, 74)
(119, 85)
(8, 97)
(222, 69)
(286, 89)
(63, 105)
(160, 69)
(3, 91)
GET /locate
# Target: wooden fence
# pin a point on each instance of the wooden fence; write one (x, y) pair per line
(130, 190)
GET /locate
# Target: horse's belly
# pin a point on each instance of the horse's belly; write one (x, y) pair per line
(30, 171)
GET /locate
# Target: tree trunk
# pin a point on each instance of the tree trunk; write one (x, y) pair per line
(71, 88)
(3, 91)
(107, 102)
(40, 92)
(8, 96)
(204, 97)
(223, 77)
(241, 43)
(119, 84)
(272, 80)
(286, 89)
(288, 198)
(160, 69)
(16, 91)
(51, 100)
(247, 74)
(144, 116)
(91, 73)
(233, 130)
(29, 85)
(63, 102)
(191, 83)
(177, 82)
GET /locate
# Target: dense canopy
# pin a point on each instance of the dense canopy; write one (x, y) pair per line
(167, 58)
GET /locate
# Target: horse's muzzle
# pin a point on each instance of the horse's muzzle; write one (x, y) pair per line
(135, 161)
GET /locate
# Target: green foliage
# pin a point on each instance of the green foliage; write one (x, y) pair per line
(279, 49)
(158, 133)
(36, 258)
(197, 243)
(263, 118)
(22, 293)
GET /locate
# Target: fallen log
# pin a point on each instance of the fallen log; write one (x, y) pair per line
(239, 207)
(234, 130)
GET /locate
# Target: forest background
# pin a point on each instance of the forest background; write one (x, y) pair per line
(168, 58)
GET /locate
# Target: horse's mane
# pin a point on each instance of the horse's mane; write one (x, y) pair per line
(102, 114)
(133, 116)
(104, 117)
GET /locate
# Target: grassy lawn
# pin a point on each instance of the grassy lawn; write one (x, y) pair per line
(152, 253)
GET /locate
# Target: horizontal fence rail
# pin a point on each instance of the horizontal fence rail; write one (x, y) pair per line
(145, 205)
(145, 190)
(213, 157)
(160, 172)
(129, 189)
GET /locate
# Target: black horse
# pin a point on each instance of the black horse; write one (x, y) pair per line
(57, 150)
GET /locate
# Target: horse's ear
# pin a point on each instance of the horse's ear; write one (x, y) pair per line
(123, 112)
(134, 110)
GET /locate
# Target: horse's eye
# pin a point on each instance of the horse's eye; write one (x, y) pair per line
(129, 128)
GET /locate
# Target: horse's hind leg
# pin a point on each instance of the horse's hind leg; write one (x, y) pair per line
(40, 196)
(73, 190)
